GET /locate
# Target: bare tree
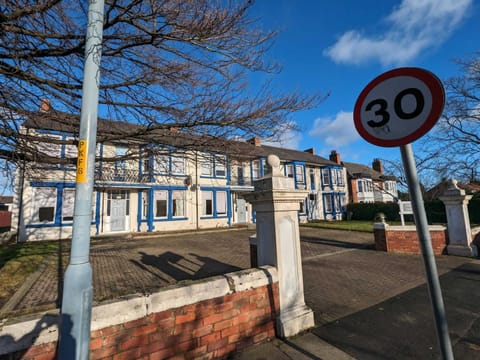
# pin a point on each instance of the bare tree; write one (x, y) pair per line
(166, 64)
(452, 149)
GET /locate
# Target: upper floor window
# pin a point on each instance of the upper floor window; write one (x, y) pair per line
(220, 165)
(340, 180)
(169, 163)
(325, 177)
(289, 170)
(364, 185)
(71, 150)
(213, 165)
(177, 163)
(240, 177)
(312, 179)
(300, 173)
(256, 169)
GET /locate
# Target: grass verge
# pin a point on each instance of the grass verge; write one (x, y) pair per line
(18, 262)
(353, 225)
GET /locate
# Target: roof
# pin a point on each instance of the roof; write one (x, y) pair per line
(6, 199)
(440, 188)
(109, 130)
(355, 170)
(294, 155)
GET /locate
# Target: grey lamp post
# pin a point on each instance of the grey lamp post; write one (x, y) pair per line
(78, 291)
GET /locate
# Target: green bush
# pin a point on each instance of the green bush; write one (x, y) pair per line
(435, 211)
(367, 211)
(474, 211)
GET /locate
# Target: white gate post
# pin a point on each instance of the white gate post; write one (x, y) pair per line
(458, 223)
(276, 203)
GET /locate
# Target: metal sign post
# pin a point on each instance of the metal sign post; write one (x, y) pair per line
(395, 109)
(78, 292)
(427, 251)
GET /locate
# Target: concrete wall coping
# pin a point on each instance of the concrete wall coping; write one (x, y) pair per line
(387, 227)
(413, 228)
(22, 333)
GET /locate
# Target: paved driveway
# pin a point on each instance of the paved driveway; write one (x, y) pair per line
(373, 305)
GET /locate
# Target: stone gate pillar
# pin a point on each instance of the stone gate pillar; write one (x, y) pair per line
(276, 203)
(458, 223)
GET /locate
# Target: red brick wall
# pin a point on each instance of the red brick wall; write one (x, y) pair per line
(210, 329)
(353, 190)
(5, 219)
(406, 241)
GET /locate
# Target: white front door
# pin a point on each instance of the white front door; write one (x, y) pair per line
(117, 219)
(241, 211)
(117, 209)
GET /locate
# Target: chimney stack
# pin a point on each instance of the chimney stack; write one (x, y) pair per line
(377, 165)
(45, 105)
(255, 141)
(310, 151)
(335, 157)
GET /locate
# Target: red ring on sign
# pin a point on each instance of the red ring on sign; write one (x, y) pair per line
(438, 102)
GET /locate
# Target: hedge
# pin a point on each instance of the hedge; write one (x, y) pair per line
(435, 211)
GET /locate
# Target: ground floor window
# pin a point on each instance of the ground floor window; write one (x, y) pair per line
(178, 203)
(163, 204)
(214, 203)
(333, 203)
(207, 203)
(44, 204)
(68, 202)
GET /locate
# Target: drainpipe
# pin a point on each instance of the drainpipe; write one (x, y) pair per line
(20, 202)
(196, 190)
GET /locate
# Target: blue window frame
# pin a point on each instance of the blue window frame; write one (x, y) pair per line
(62, 150)
(168, 162)
(162, 203)
(332, 176)
(295, 170)
(213, 166)
(53, 207)
(333, 203)
(216, 203)
(312, 179)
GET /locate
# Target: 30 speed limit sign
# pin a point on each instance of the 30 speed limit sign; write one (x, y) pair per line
(399, 106)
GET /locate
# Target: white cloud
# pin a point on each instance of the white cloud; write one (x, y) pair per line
(290, 139)
(335, 131)
(413, 26)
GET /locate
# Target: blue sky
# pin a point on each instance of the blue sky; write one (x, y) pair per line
(338, 47)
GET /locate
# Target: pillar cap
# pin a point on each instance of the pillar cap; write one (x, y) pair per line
(274, 162)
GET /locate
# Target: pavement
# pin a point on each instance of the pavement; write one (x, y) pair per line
(367, 304)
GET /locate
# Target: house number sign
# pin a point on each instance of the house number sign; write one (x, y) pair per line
(399, 106)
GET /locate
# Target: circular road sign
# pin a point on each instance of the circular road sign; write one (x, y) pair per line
(399, 106)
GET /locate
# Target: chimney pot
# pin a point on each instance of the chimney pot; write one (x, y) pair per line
(45, 105)
(377, 165)
(255, 141)
(335, 157)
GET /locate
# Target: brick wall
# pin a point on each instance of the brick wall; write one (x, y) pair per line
(210, 328)
(5, 219)
(404, 239)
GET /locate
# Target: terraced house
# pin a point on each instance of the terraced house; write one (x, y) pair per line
(154, 180)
